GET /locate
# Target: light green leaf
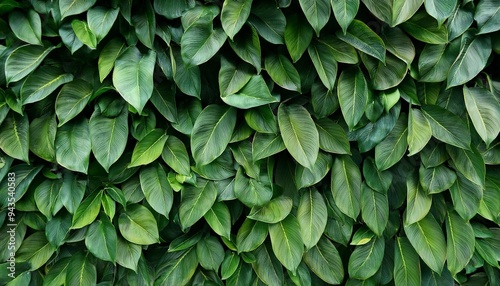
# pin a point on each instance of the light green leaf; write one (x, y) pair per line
(138, 225)
(352, 91)
(393, 147)
(426, 29)
(42, 83)
(84, 34)
(440, 10)
(87, 211)
(274, 211)
(460, 242)
(14, 136)
(484, 112)
(393, 12)
(200, 42)
(213, 128)
(360, 36)
(210, 253)
(286, 242)
(282, 72)
(144, 22)
(108, 56)
(419, 131)
(366, 259)
(234, 15)
(101, 240)
(149, 148)
(23, 60)
(74, 7)
(312, 216)
(43, 136)
(346, 185)
(254, 93)
(73, 145)
(487, 16)
(332, 137)
(108, 137)
(26, 26)
(133, 76)
(156, 189)
(229, 264)
(127, 254)
(36, 250)
(72, 99)
(251, 235)
(324, 62)
(265, 145)
(176, 156)
(69, 38)
(473, 57)
(219, 219)
(299, 134)
(297, 36)
(447, 127)
(324, 261)
(374, 209)
(81, 271)
(406, 264)
(427, 239)
(345, 11)
(196, 202)
(101, 20)
(418, 202)
(269, 21)
(47, 197)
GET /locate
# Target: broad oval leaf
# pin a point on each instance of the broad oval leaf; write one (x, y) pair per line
(144, 22)
(36, 250)
(406, 264)
(268, 21)
(419, 131)
(26, 26)
(179, 269)
(175, 155)
(14, 136)
(127, 254)
(437, 179)
(308, 177)
(352, 91)
(345, 11)
(466, 197)
(74, 7)
(297, 36)
(487, 16)
(385, 75)
(324, 62)
(87, 211)
(213, 129)
(265, 145)
(447, 127)
(43, 136)
(138, 225)
(393, 147)
(73, 145)
(374, 209)
(200, 42)
(374, 178)
(460, 242)
(272, 212)
(72, 99)
(219, 219)
(299, 134)
(210, 253)
(286, 242)
(393, 12)
(84, 34)
(324, 261)
(156, 189)
(108, 56)
(312, 215)
(23, 60)
(251, 235)
(484, 112)
(418, 202)
(196, 202)
(247, 46)
(81, 271)
(267, 267)
(282, 72)
(346, 185)
(317, 13)
(426, 29)
(102, 240)
(469, 163)
(234, 14)
(133, 76)
(440, 10)
(332, 137)
(366, 259)
(360, 36)
(42, 83)
(101, 20)
(149, 148)
(253, 94)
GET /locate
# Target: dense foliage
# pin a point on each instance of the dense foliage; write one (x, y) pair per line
(250, 142)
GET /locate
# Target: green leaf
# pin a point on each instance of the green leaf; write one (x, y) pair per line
(282, 72)
(487, 16)
(341, 51)
(163, 98)
(299, 134)
(179, 271)
(427, 239)
(267, 267)
(186, 77)
(406, 264)
(200, 42)
(460, 242)
(72, 191)
(247, 46)
(426, 29)
(466, 197)
(108, 56)
(274, 211)
(74, 7)
(72, 99)
(26, 26)
(317, 13)
(213, 128)
(144, 22)
(262, 119)
(23, 60)
(47, 197)
(418, 202)
(36, 250)
(324, 62)
(69, 38)
(73, 145)
(127, 254)
(346, 185)
(210, 253)
(229, 264)
(308, 177)
(233, 77)
(447, 127)
(419, 131)
(149, 148)
(254, 93)
(108, 137)
(473, 57)
(81, 271)
(219, 219)
(42, 134)
(393, 147)
(133, 76)
(393, 12)
(461, 19)
(234, 15)
(440, 10)
(84, 33)
(312, 216)
(360, 36)
(435, 61)
(156, 188)
(172, 9)
(56, 275)
(332, 137)
(138, 225)
(379, 181)
(286, 242)
(251, 235)
(14, 136)
(265, 145)
(42, 83)
(344, 12)
(437, 179)
(385, 75)
(196, 202)
(366, 259)
(297, 36)
(176, 156)
(101, 20)
(484, 112)
(87, 211)
(374, 209)
(399, 44)
(469, 163)
(268, 21)
(101, 240)
(324, 261)
(352, 91)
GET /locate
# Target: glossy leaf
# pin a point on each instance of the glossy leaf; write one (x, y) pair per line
(72, 99)
(138, 225)
(149, 148)
(234, 15)
(346, 186)
(360, 36)
(419, 131)
(440, 10)
(272, 212)
(42, 83)
(175, 155)
(312, 217)
(196, 202)
(74, 7)
(484, 111)
(460, 242)
(374, 209)
(73, 145)
(352, 91)
(156, 188)
(344, 12)
(200, 42)
(393, 12)
(297, 36)
(23, 60)
(366, 259)
(406, 264)
(26, 26)
(14, 136)
(283, 72)
(286, 242)
(447, 127)
(393, 147)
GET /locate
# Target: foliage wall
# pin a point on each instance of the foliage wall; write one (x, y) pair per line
(242, 142)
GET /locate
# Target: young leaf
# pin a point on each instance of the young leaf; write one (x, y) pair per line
(73, 145)
(286, 242)
(138, 225)
(84, 34)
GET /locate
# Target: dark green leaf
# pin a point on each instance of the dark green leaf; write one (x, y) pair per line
(360, 36)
